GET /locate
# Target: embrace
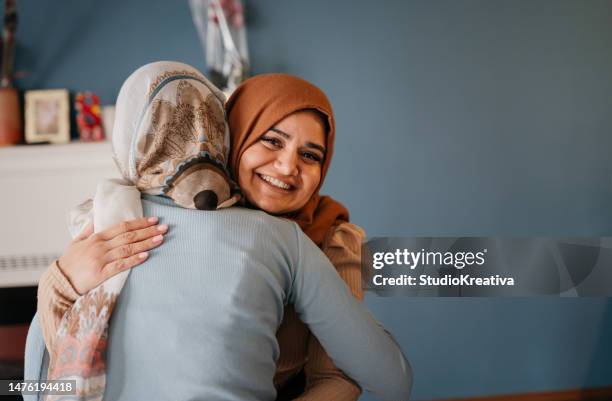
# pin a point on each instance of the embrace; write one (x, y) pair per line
(249, 287)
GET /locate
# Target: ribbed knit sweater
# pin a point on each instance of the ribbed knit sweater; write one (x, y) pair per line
(198, 320)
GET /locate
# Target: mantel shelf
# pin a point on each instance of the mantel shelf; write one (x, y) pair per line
(29, 158)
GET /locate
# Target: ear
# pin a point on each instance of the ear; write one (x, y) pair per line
(230, 202)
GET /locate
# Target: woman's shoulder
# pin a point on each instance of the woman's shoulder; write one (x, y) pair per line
(264, 225)
(342, 246)
(344, 235)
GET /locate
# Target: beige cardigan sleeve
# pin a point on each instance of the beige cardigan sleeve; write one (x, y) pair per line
(55, 296)
(324, 381)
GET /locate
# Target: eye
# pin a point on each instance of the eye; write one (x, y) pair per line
(271, 141)
(310, 156)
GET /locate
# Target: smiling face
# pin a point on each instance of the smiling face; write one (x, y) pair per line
(282, 169)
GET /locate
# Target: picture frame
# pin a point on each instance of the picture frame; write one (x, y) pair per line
(47, 116)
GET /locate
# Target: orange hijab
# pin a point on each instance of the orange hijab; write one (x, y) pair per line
(256, 106)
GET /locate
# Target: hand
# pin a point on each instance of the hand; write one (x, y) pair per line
(91, 259)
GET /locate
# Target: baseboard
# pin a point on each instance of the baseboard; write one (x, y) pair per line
(594, 394)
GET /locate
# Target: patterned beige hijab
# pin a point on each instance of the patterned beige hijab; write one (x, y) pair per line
(170, 137)
(170, 131)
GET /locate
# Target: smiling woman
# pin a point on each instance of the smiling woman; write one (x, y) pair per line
(282, 136)
(280, 172)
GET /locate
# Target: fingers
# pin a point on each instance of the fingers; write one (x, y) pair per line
(123, 264)
(87, 231)
(136, 236)
(135, 248)
(127, 226)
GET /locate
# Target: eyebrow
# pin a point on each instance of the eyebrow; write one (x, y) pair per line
(308, 144)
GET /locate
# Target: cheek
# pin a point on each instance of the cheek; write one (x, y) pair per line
(249, 162)
(242, 174)
(245, 182)
(311, 179)
(254, 157)
(245, 167)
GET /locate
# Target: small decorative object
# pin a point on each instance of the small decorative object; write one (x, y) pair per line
(89, 116)
(10, 114)
(10, 118)
(221, 28)
(47, 116)
(108, 120)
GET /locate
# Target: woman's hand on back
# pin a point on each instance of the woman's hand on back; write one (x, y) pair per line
(92, 258)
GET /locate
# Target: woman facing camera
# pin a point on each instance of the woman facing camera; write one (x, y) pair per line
(282, 136)
(282, 131)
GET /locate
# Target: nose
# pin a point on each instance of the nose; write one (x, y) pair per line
(286, 163)
(205, 200)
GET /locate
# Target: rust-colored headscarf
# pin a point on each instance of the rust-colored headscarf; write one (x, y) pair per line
(260, 103)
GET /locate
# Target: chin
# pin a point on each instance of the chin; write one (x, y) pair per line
(270, 206)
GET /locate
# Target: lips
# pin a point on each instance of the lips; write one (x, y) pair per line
(275, 182)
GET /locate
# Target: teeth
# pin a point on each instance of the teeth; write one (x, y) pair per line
(275, 182)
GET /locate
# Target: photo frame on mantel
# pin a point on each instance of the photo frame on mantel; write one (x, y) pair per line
(47, 116)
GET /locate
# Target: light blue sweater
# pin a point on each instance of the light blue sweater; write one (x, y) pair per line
(198, 320)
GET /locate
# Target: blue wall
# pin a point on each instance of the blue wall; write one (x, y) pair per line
(463, 117)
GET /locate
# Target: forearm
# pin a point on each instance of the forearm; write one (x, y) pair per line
(324, 381)
(356, 342)
(360, 347)
(55, 296)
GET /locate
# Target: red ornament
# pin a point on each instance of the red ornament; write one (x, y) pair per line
(89, 116)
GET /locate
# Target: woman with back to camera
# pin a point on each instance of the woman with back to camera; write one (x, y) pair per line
(282, 132)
